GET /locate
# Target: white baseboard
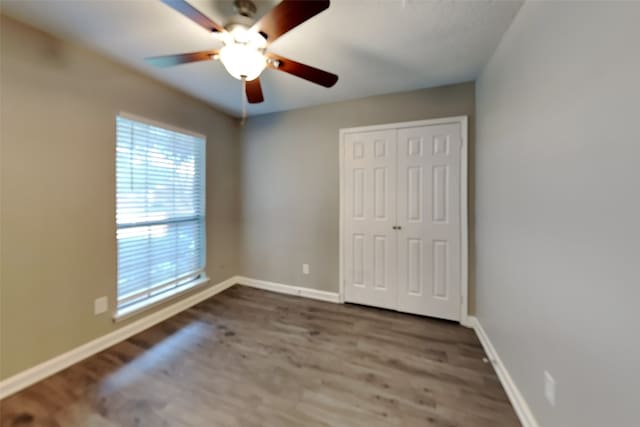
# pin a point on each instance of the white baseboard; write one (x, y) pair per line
(39, 372)
(290, 289)
(517, 399)
(468, 321)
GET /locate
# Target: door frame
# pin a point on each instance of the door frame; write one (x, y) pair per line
(464, 217)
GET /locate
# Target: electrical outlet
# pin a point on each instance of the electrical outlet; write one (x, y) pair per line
(549, 388)
(100, 305)
(305, 268)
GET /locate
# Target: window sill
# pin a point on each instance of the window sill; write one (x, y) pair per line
(134, 309)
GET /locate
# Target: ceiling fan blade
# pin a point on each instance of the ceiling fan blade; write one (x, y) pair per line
(307, 72)
(181, 58)
(254, 91)
(194, 14)
(287, 15)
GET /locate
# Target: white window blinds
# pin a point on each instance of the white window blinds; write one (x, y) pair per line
(160, 209)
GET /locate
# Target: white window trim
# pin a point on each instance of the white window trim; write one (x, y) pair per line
(155, 290)
(161, 125)
(149, 303)
(124, 313)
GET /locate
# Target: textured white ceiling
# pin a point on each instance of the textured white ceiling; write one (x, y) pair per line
(375, 46)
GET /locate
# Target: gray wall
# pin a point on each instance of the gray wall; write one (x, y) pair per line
(57, 145)
(558, 209)
(290, 191)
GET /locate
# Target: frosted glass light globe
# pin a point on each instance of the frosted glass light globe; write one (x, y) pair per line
(242, 54)
(242, 60)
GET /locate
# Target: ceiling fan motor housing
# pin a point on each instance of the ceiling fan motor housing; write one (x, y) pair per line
(245, 8)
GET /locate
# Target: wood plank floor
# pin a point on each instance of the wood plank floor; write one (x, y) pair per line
(247, 358)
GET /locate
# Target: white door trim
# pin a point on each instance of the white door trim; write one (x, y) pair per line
(464, 235)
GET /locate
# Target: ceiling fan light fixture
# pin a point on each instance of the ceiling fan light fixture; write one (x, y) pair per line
(243, 52)
(242, 61)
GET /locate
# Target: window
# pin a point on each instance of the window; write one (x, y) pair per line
(160, 211)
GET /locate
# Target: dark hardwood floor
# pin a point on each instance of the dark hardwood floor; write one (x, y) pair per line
(247, 358)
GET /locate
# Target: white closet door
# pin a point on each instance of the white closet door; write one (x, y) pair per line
(370, 215)
(429, 252)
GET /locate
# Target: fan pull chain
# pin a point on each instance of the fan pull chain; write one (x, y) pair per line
(244, 101)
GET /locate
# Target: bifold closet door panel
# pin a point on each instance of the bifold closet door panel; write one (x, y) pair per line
(429, 249)
(369, 218)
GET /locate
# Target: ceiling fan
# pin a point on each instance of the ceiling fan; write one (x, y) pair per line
(244, 54)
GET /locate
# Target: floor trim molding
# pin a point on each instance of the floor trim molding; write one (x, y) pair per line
(515, 397)
(289, 289)
(56, 364)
